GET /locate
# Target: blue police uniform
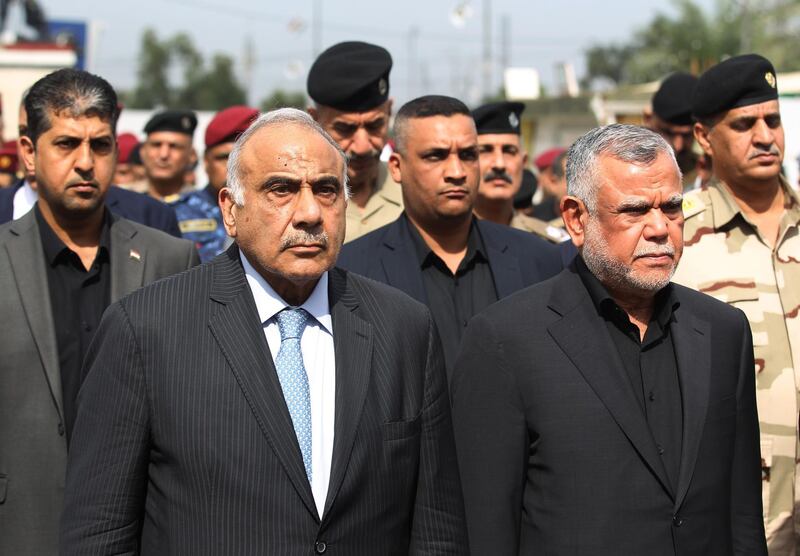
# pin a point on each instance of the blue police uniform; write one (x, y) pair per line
(200, 221)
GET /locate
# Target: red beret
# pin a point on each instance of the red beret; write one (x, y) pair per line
(546, 159)
(126, 142)
(8, 157)
(228, 124)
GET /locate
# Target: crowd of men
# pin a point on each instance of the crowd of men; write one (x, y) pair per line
(348, 344)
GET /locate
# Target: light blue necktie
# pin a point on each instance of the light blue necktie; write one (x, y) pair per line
(293, 378)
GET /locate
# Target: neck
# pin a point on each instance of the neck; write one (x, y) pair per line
(500, 211)
(164, 188)
(637, 305)
(447, 239)
(79, 233)
(361, 190)
(757, 196)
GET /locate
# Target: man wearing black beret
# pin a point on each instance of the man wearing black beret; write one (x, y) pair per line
(349, 84)
(671, 117)
(742, 246)
(167, 153)
(502, 160)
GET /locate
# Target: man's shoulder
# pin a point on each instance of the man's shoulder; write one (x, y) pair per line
(379, 296)
(151, 235)
(696, 204)
(514, 239)
(705, 306)
(355, 254)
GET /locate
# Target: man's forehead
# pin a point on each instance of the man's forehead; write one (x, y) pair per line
(169, 137)
(637, 178)
(501, 139)
(443, 129)
(276, 144)
(334, 115)
(66, 123)
(754, 110)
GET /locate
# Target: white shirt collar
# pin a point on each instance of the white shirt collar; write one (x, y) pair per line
(269, 303)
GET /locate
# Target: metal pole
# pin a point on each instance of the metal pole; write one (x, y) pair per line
(486, 85)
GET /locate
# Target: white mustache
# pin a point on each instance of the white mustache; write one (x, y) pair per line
(657, 250)
(302, 237)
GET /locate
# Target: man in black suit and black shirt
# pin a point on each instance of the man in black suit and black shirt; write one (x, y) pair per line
(438, 252)
(297, 408)
(608, 411)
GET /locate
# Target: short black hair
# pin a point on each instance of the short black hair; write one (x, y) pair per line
(76, 92)
(426, 106)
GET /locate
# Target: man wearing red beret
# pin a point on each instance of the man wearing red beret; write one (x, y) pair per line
(552, 187)
(198, 213)
(123, 173)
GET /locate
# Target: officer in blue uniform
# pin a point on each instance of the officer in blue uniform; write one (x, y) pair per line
(198, 212)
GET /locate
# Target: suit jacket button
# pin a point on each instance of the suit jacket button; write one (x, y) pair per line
(320, 547)
(61, 429)
(677, 521)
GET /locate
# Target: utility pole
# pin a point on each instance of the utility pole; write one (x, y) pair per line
(487, 74)
(505, 48)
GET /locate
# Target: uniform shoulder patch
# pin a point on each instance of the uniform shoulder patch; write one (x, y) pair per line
(172, 199)
(692, 205)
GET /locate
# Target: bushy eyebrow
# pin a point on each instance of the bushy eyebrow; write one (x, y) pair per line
(636, 203)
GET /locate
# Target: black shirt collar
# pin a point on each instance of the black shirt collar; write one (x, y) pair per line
(426, 256)
(665, 300)
(55, 248)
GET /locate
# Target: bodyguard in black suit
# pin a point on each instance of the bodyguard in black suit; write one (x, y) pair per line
(437, 251)
(607, 411)
(203, 438)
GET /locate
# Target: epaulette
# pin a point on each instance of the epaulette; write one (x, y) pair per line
(172, 199)
(692, 205)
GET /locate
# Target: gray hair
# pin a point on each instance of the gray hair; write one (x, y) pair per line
(281, 116)
(629, 143)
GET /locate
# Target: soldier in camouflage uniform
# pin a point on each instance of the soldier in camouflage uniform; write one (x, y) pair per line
(501, 162)
(349, 84)
(742, 246)
(198, 212)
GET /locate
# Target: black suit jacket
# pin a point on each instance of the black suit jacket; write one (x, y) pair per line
(127, 204)
(556, 455)
(516, 258)
(183, 443)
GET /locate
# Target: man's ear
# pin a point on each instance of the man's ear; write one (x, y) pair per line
(394, 167)
(701, 134)
(313, 113)
(229, 210)
(28, 153)
(575, 216)
(647, 117)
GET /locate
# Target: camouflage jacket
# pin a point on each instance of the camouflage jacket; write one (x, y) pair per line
(384, 207)
(544, 230)
(726, 257)
(200, 221)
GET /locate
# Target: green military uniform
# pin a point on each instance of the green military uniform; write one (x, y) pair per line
(384, 207)
(541, 228)
(726, 257)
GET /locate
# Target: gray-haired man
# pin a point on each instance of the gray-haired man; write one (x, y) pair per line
(607, 411)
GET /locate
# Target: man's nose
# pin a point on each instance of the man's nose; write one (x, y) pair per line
(307, 211)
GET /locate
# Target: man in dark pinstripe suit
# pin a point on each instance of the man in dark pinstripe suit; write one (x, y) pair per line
(190, 438)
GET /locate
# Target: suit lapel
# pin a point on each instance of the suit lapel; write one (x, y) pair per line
(26, 256)
(400, 262)
(504, 266)
(127, 258)
(240, 336)
(692, 339)
(352, 338)
(583, 337)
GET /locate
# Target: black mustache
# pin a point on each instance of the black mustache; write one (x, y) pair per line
(497, 175)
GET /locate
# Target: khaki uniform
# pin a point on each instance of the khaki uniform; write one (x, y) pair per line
(543, 229)
(384, 207)
(725, 257)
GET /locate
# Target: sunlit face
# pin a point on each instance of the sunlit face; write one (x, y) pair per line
(634, 239)
(166, 155)
(501, 164)
(746, 144)
(291, 225)
(439, 168)
(216, 164)
(362, 136)
(73, 162)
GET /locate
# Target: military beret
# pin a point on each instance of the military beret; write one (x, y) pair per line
(126, 143)
(351, 76)
(546, 159)
(180, 121)
(8, 158)
(228, 124)
(673, 100)
(733, 83)
(498, 117)
(524, 197)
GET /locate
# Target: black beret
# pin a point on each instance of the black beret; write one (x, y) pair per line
(351, 76)
(673, 100)
(524, 197)
(181, 121)
(733, 83)
(498, 117)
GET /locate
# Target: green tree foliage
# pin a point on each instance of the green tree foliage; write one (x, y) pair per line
(693, 40)
(284, 99)
(201, 87)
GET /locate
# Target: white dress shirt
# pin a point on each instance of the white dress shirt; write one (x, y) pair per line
(316, 345)
(24, 199)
